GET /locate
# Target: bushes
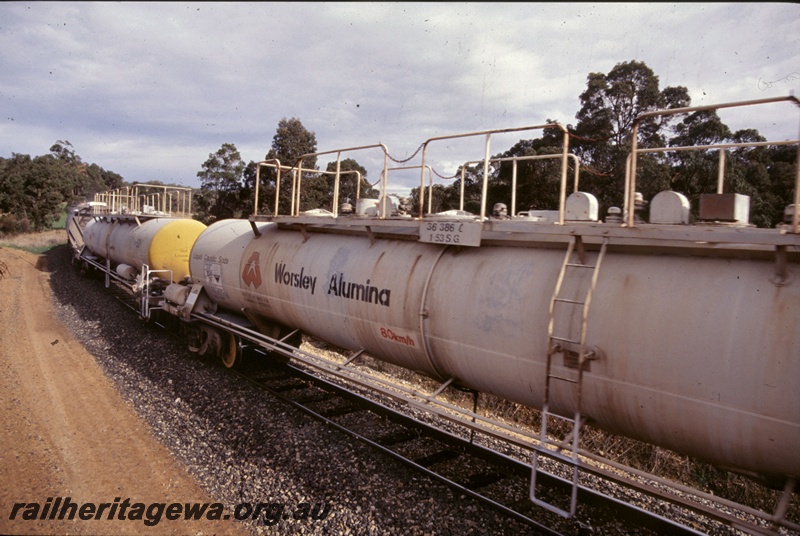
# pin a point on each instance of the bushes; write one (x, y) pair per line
(11, 224)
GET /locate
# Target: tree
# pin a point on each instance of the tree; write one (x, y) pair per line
(247, 191)
(34, 191)
(602, 136)
(782, 169)
(290, 143)
(42, 199)
(65, 152)
(106, 180)
(694, 172)
(440, 198)
(29, 190)
(78, 180)
(760, 173)
(349, 182)
(318, 190)
(220, 185)
(602, 141)
(537, 180)
(12, 183)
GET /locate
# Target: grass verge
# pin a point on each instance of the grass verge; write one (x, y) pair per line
(36, 243)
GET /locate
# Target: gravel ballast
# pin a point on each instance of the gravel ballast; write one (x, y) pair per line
(246, 447)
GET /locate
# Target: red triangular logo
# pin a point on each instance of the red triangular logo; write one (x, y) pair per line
(251, 274)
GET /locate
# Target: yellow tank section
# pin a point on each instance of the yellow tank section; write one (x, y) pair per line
(171, 246)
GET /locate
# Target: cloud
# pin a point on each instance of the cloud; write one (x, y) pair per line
(148, 90)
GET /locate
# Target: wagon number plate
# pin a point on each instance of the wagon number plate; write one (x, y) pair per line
(451, 233)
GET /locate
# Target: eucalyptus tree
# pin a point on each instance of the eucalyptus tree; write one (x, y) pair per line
(221, 181)
(290, 142)
(77, 180)
(602, 136)
(535, 179)
(352, 184)
(765, 174)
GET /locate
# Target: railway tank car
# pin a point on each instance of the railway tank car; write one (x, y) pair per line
(121, 234)
(690, 351)
(162, 244)
(683, 335)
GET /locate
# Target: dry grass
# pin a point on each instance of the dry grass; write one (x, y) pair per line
(35, 242)
(636, 454)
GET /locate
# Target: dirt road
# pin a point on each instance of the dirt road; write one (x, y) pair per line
(66, 432)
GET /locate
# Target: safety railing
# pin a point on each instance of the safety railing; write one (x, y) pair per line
(487, 158)
(514, 160)
(296, 190)
(145, 307)
(275, 164)
(429, 169)
(147, 199)
(296, 181)
(630, 175)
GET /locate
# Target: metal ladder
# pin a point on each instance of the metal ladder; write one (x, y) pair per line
(559, 344)
(145, 307)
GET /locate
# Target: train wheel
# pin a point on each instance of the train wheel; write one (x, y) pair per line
(231, 352)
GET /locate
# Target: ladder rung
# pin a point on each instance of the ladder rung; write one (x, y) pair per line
(560, 445)
(553, 337)
(564, 300)
(559, 417)
(564, 458)
(575, 265)
(554, 377)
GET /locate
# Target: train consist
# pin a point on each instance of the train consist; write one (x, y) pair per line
(683, 335)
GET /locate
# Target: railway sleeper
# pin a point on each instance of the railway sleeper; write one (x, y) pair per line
(481, 480)
(340, 411)
(441, 456)
(314, 398)
(397, 437)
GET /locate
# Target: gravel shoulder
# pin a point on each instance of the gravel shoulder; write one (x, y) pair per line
(66, 431)
(117, 408)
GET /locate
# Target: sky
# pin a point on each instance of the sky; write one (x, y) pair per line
(150, 90)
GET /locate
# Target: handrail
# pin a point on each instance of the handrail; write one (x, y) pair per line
(514, 160)
(630, 175)
(337, 174)
(488, 134)
(275, 163)
(430, 176)
(129, 199)
(338, 152)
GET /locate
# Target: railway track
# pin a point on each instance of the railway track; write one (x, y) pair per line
(454, 456)
(456, 459)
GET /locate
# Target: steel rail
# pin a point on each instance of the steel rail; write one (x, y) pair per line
(513, 436)
(374, 444)
(633, 514)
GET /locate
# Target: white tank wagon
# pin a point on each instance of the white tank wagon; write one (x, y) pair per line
(128, 243)
(696, 351)
(77, 220)
(685, 336)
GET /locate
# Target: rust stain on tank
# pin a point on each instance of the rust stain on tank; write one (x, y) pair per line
(628, 282)
(409, 295)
